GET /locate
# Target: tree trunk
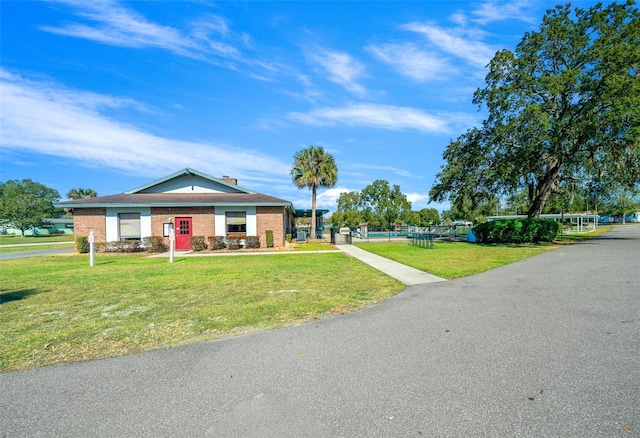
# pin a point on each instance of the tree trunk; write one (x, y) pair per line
(545, 188)
(313, 212)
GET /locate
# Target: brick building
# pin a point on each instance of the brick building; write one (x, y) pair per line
(194, 203)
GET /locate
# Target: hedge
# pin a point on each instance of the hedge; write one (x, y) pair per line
(82, 244)
(252, 242)
(216, 242)
(154, 244)
(197, 243)
(528, 230)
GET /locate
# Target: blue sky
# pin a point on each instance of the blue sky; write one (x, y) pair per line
(110, 95)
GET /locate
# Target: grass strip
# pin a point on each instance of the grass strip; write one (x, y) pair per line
(18, 240)
(58, 309)
(455, 259)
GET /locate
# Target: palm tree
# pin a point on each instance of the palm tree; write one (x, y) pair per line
(313, 168)
(81, 193)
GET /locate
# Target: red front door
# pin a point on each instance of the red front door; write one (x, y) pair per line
(183, 233)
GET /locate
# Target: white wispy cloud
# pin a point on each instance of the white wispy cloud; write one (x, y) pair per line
(493, 10)
(466, 39)
(417, 198)
(395, 170)
(48, 119)
(462, 46)
(412, 61)
(325, 199)
(114, 24)
(209, 38)
(341, 68)
(372, 115)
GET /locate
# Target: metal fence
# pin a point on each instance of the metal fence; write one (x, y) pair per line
(423, 240)
(442, 231)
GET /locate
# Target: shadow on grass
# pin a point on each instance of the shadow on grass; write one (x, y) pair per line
(17, 295)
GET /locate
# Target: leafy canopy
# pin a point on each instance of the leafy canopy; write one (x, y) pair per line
(562, 108)
(81, 193)
(379, 204)
(26, 204)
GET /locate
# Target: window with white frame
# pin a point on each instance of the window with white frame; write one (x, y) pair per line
(129, 225)
(236, 222)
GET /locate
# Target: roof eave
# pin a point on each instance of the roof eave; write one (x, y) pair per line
(174, 204)
(187, 171)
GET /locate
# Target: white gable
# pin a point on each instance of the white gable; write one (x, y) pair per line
(191, 181)
(190, 184)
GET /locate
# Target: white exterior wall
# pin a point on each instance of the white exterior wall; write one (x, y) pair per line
(112, 221)
(221, 225)
(190, 184)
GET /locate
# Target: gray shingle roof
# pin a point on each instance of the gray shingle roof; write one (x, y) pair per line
(175, 199)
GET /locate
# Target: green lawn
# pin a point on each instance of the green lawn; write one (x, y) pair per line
(18, 240)
(58, 309)
(453, 259)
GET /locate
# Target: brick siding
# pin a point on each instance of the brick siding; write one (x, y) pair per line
(270, 218)
(86, 220)
(203, 219)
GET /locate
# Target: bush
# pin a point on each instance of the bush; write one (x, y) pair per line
(216, 242)
(517, 231)
(288, 238)
(234, 243)
(269, 234)
(82, 244)
(252, 242)
(154, 244)
(119, 246)
(197, 243)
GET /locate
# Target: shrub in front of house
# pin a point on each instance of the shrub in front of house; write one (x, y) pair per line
(82, 244)
(528, 230)
(288, 238)
(198, 243)
(124, 246)
(216, 242)
(155, 244)
(269, 234)
(234, 243)
(252, 242)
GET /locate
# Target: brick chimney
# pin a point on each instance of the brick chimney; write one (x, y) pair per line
(229, 180)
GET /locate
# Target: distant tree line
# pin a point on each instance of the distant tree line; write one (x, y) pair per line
(25, 204)
(380, 205)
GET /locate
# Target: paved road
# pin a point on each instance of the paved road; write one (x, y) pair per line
(34, 253)
(549, 346)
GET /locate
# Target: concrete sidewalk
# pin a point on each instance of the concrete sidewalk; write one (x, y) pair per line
(400, 272)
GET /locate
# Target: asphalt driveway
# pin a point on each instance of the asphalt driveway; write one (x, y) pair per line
(549, 346)
(35, 253)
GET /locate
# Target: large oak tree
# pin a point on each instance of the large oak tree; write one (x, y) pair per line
(564, 107)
